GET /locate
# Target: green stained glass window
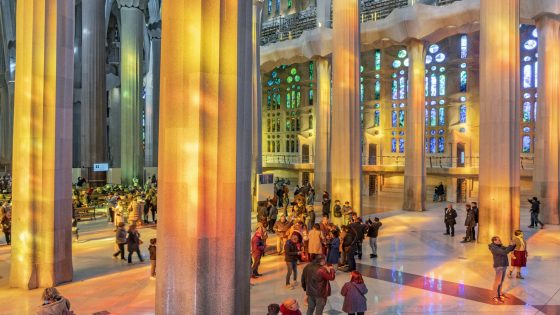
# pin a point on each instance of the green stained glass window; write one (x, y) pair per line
(310, 97)
(401, 118)
(297, 78)
(377, 59)
(402, 53)
(441, 116)
(377, 89)
(289, 79)
(298, 99)
(311, 69)
(288, 102)
(289, 4)
(293, 71)
(441, 84)
(433, 117)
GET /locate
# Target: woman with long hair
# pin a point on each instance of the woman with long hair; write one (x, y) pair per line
(354, 292)
(519, 255)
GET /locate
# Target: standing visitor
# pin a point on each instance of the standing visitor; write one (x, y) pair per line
(449, 219)
(347, 211)
(257, 251)
(519, 257)
(133, 243)
(281, 228)
(372, 233)
(153, 255)
(315, 241)
(120, 240)
(535, 209)
(315, 281)
(349, 246)
(474, 207)
(337, 211)
(7, 226)
(272, 216)
(310, 218)
(119, 214)
(311, 197)
(360, 228)
(326, 203)
(499, 255)
(333, 248)
(354, 293)
(469, 224)
(291, 254)
(111, 205)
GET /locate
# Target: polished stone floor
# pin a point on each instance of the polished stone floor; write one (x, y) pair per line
(418, 270)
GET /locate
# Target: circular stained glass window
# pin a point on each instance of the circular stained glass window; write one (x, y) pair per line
(361, 69)
(530, 44)
(376, 106)
(274, 74)
(270, 82)
(535, 33)
(442, 69)
(441, 131)
(433, 103)
(396, 64)
(289, 79)
(441, 102)
(463, 98)
(428, 59)
(394, 75)
(433, 68)
(433, 49)
(297, 78)
(377, 76)
(526, 58)
(462, 130)
(394, 133)
(440, 57)
(394, 105)
(463, 65)
(402, 105)
(526, 129)
(401, 133)
(401, 72)
(406, 62)
(402, 53)
(432, 132)
(526, 95)
(293, 71)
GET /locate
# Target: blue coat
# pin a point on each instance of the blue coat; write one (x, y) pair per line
(333, 256)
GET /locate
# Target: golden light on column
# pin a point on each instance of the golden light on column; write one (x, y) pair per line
(205, 158)
(499, 119)
(42, 212)
(345, 150)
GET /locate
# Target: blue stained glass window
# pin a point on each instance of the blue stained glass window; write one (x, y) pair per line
(269, 11)
(464, 46)
(440, 57)
(441, 145)
(536, 77)
(526, 129)
(402, 88)
(433, 117)
(428, 59)
(376, 118)
(527, 76)
(432, 145)
(396, 64)
(433, 49)
(394, 90)
(433, 85)
(426, 147)
(526, 112)
(463, 83)
(526, 148)
(394, 145)
(442, 84)
(277, 6)
(427, 117)
(426, 85)
(361, 89)
(377, 89)
(401, 145)
(401, 118)
(310, 97)
(463, 114)
(442, 116)
(394, 118)
(530, 44)
(377, 59)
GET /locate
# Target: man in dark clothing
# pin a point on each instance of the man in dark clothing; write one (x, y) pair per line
(280, 194)
(474, 207)
(272, 216)
(469, 224)
(291, 254)
(535, 209)
(500, 257)
(449, 219)
(372, 233)
(315, 282)
(349, 245)
(360, 230)
(326, 204)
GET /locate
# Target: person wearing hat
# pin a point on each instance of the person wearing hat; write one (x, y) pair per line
(281, 228)
(120, 240)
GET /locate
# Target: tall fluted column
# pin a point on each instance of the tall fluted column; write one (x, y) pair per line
(132, 49)
(499, 119)
(42, 203)
(322, 125)
(415, 169)
(152, 97)
(346, 162)
(545, 176)
(256, 160)
(94, 107)
(115, 127)
(205, 151)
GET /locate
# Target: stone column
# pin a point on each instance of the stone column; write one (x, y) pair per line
(94, 108)
(205, 160)
(132, 49)
(415, 169)
(152, 96)
(324, 13)
(545, 176)
(115, 126)
(499, 119)
(346, 162)
(256, 160)
(42, 205)
(322, 125)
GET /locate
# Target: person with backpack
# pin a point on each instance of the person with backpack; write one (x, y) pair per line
(354, 293)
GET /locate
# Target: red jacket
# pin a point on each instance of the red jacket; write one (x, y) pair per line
(286, 311)
(257, 245)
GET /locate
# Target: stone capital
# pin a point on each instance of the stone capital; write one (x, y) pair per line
(138, 4)
(154, 30)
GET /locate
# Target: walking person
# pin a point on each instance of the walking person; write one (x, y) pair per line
(372, 233)
(133, 243)
(469, 224)
(120, 240)
(354, 293)
(535, 209)
(153, 256)
(315, 281)
(281, 228)
(291, 254)
(499, 255)
(310, 219)
(257, 250)
(519, 257)
(449, 218)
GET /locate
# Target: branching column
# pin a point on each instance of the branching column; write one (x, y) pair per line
(42, 163)
(545, 178)
(94, 108)
(415, 168)
(132, 48)
(499, 119)
(346, 166)
(205, 158)
(322, 125)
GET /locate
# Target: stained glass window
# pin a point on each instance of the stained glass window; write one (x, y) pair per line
(433, 49)
(441, 145)
(311, 70)
(526, 112)
(463, 83)
(269, 11)
(277, 6)
(442, 116)
(464, 46)
(463, 114)
(527, 76)
(376, 118)
(401, 118)
(433, 85)
(433, 117)
(362, 89)
(402, 88)
(536, 80)
(432, 145)
(401, 145)
(394, 118)
(526, 146)
(289, 4)
(394, 90)
(442, 84)
(377, 60)
(394, 145)
(377, 90)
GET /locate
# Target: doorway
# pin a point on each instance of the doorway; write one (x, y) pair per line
(460, 154)
(461, 190)
(372, 154)
(372, 185)
(305, 153)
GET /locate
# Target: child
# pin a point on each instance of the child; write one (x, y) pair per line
(152, 249)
